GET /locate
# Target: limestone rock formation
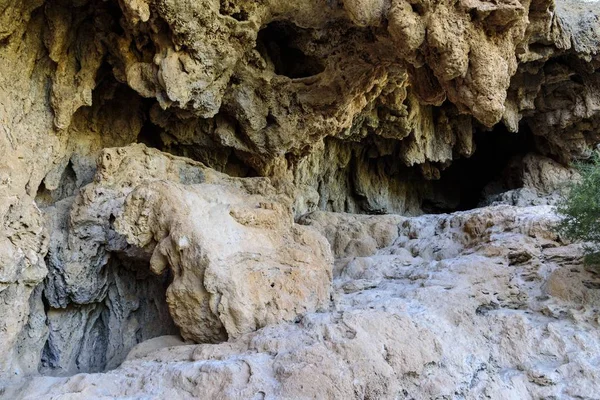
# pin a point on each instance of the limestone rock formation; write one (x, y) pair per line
(216, 264)
(165, 167)
(484, 303)
(238, 260)
(538, 179)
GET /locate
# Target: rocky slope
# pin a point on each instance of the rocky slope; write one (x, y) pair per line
(480, 304)
(185, 168)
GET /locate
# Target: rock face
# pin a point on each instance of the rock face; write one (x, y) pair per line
(238, 260)
(211, 169)
(204, 227)
(486, 303)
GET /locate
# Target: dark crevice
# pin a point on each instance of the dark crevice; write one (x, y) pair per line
(236, 166)
(114, 10)
(226, 160)
(4, 42)
(382, 184)
(418, 9)
(486, 172)
(230, 9)
(66, 188)
(150, 135)
(100, 345)
(276, 43)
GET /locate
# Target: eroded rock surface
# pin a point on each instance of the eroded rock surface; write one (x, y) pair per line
(485, 303)
(238, 261)
(284, 108)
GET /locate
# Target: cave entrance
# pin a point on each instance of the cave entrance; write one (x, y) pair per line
(358, 179)
(468, 182)
(278, 45)
(97, 334)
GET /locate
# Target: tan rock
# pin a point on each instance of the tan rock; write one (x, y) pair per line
(238, 261)
(421, 320)
(350, 106)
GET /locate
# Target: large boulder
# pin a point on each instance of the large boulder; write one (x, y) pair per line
(238, 260)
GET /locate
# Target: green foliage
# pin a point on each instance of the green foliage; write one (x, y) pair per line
(580, 209)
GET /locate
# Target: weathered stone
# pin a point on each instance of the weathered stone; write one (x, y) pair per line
(238, 261)
(443, 309)
(354, 106)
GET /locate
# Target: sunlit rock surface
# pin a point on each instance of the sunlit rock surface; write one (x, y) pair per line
(164, 165)
(484, 303)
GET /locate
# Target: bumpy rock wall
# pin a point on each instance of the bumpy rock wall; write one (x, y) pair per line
(487, 303)
(346, 106)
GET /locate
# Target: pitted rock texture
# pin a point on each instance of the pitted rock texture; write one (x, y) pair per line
(486, 303)
(238, 260)
(376, 107)
(259, 82)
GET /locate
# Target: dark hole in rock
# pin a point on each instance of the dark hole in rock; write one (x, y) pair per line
(276, 43)
(150, 136)
(271, 120)
(115, 12)
(418, 9)
(43, 197)
(97, 336)
(359, 179)
(470, 180)
(578, 79)
(111, 221)
(229, 8)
